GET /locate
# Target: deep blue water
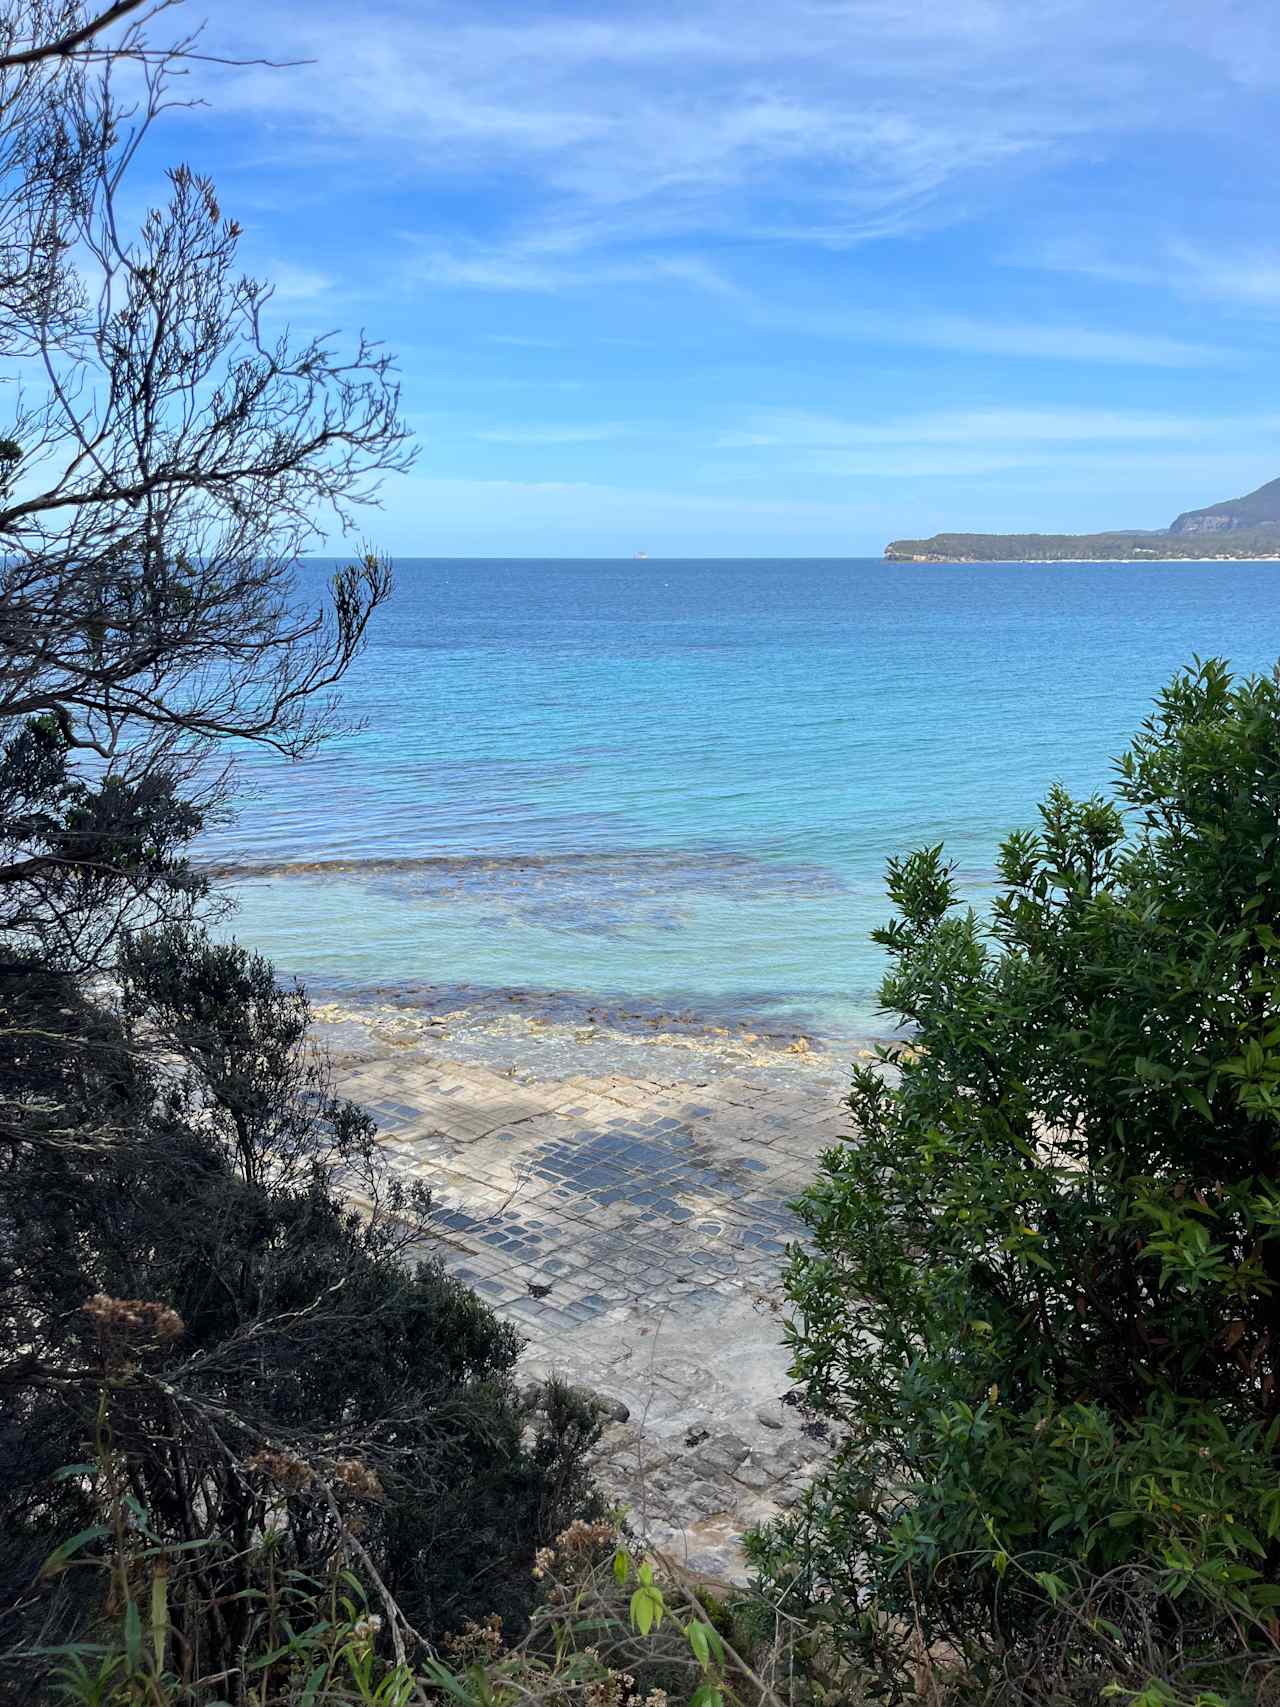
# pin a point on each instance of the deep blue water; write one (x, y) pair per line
(681, 780)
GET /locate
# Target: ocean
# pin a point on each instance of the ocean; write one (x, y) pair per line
(677, 783)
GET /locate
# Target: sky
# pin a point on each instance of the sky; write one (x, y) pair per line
(771, 277)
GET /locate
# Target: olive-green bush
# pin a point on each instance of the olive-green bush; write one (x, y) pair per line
(1041, 1294)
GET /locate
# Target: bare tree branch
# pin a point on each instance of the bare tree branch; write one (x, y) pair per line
(74, 39)
(172, 457)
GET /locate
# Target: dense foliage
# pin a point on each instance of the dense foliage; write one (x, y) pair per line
(277, 1363)
(1042, 1296)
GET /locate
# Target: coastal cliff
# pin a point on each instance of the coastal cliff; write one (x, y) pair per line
(1257, 512)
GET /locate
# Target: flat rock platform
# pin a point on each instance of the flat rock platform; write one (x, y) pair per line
(632, 1226)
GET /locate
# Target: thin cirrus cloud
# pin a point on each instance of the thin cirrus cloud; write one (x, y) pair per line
(817, 123)
(1091, 443)
(294, 284)
(798, 428)
(1233, 273)
(557, 260)
(524, 267)
(1041, 342)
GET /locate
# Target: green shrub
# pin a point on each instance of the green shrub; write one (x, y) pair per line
(280, 1366)
(1040, 1297)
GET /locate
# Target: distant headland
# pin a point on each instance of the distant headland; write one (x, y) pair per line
(1247, 527)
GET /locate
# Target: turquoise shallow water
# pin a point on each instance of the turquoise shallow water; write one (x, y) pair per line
(680, 780)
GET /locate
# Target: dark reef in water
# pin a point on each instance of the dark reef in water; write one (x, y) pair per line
(596, 894)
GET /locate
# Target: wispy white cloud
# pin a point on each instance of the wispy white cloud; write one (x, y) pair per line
(1084, 443)
(291, 283)
(1073, 343)
(1040, 426)
(1010, 338)
(1230, 272)
(825, 122)
(535, 266)
(538, 267)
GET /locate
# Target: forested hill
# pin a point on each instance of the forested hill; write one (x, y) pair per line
(1084, 547)
(1236, 528)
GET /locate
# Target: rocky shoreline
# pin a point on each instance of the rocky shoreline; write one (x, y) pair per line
(631, 1224)
(551, 1033)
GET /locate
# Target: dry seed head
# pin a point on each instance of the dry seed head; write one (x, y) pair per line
(132, 1316)
(477, 1642)
(357, 1479)
(289, 1472)
(582, 1537)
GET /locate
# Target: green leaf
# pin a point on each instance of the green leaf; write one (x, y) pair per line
(1052, 1585)
(311, 1689)
(446, 1680)
(133, 1636)
(67, 1550)
(159, 1615)
(647, 1608)
(1154, 1070)
(697, 1634)
(642, 1611)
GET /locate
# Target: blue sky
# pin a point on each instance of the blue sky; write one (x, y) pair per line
(774, 277)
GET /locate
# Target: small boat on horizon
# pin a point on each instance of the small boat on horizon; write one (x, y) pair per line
(640, 556)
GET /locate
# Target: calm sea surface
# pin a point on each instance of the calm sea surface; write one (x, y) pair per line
(681, 780)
